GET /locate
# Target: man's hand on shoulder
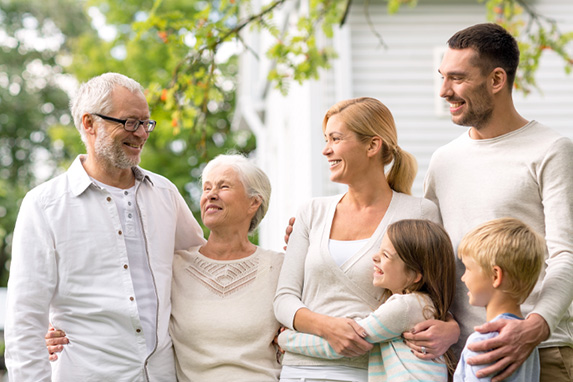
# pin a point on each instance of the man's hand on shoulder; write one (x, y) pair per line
(507, 351)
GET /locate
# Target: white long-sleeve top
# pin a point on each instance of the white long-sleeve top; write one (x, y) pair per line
(310, 277)
(390, 359)
(526, 174)
(70, 267)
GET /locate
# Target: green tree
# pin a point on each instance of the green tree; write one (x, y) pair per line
(31, 99)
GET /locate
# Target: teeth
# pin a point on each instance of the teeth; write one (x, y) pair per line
(333, 162)
(455, 105)
(132, 145)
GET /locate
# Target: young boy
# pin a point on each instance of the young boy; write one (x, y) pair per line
(503, 259)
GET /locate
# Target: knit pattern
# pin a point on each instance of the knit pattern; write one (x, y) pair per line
(224, 279)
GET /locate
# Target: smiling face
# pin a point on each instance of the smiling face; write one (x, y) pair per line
(224, 202)
(480, 286)
(466, 88)
(113, 145)
(346, 154)
(390, 272)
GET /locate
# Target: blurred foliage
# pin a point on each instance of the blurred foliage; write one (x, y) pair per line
(535, 34)
(176, 50)
(31, 99)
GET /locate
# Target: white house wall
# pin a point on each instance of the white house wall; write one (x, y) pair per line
(403, 76)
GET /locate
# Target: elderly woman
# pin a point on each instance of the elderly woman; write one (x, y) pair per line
(326, 279)
(222, 321)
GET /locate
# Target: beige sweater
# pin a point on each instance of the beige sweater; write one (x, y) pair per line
(222, 321)
(310, 277)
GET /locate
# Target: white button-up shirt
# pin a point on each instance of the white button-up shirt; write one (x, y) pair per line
(70, 267)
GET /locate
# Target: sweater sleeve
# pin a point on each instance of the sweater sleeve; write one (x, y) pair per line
(397, 315)
(288, 298)
(555, 178)
(306, 344)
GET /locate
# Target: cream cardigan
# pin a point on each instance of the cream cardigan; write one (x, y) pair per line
(310, 278)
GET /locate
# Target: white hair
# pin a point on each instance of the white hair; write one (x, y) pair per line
(254, 180)
(94, 96)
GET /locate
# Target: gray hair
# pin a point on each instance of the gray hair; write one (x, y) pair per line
(94, 96)
(254, 180)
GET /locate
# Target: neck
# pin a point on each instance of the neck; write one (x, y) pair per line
(370, 190)
(504, 119)
(501, 303)
(228, 245)
(108, 174)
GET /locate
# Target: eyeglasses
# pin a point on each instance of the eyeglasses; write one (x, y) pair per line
(131, 124)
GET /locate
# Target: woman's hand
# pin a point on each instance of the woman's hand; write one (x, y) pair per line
(345, 336)
(432, 338)
(288, 231)
(55, 341)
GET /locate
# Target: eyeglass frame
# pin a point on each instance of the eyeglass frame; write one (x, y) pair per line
(150, 123)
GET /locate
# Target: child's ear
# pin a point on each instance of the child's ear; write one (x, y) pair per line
(497, 277)
(417, 278)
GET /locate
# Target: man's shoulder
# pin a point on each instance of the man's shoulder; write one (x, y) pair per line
(52, 189)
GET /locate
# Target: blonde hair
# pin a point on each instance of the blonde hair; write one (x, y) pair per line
(367, 118)
(511, 245)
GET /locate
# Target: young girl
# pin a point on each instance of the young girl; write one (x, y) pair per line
(416, 267)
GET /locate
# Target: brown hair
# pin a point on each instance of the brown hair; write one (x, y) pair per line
(494, 46)
(367, 117)
(426, 248)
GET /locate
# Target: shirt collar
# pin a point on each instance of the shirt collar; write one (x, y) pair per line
(80, 180)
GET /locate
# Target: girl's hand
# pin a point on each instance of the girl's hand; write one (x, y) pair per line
(432, 338)
(55, 341)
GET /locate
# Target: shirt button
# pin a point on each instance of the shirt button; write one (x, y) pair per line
(124, 266)
(129, 216)
(138, 330)
(119, 232)
(131, 299)
(125, 192)
(108, 199)
(129, 203)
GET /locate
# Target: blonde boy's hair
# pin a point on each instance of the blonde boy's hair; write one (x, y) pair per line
(511, 245)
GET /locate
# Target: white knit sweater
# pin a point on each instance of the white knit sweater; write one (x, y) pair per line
(526, 174)
(222, 321)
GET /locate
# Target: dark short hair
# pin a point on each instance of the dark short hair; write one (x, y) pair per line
(494, 45)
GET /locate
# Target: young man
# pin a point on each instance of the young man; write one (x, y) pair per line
(93, 249)
(505, 165)
(503, 259)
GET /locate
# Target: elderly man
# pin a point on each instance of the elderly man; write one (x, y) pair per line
(93, 249)
(506, 166)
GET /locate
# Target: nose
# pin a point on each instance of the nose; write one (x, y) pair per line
(327, 149)
(140, 132)
(445, 89)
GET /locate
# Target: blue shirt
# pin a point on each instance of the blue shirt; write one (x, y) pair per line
(527, 372)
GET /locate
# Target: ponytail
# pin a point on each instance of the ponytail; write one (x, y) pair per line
(403, 171)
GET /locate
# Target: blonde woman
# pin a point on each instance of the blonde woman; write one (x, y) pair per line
(326, 279)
